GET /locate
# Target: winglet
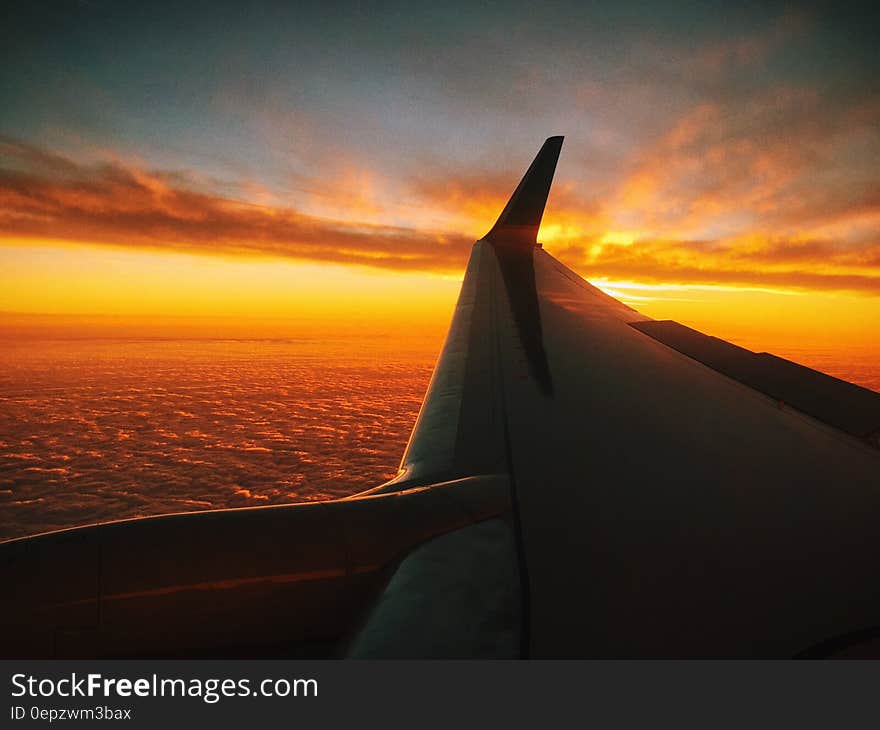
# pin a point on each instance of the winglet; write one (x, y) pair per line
(519, 221)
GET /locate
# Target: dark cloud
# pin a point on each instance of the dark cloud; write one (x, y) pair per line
(124, 206)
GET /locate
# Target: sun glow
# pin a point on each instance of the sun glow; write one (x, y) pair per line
(620, 238)
(131, 285)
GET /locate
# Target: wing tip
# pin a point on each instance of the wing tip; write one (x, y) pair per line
(522, 215)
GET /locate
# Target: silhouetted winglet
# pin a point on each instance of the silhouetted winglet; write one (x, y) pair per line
(521, 217)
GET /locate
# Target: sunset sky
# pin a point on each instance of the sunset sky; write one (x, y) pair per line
(280, 164)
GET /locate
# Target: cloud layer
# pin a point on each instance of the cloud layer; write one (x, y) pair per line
(136, 428)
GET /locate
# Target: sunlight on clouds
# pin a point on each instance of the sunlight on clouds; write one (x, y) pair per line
(621, 238)
(603, 283)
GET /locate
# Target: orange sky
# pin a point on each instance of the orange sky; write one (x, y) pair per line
(175, 294)
(140, 254)
(720, 168)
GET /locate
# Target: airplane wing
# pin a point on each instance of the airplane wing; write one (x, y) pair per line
(672, 495)
(582, 481)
